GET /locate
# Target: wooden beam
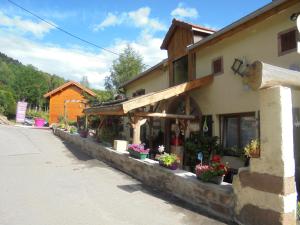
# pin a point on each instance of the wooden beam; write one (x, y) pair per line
(148, 99)
(164, 115)
(105, 110)
(262, 75)
(165, 94)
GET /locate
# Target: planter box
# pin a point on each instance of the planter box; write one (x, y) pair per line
(214, 180)
(174, 166)
(138, 155)
(83, 134)
(120, 145)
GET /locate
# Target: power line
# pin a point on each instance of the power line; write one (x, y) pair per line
(65, 31)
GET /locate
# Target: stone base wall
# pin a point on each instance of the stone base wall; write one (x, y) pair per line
(217, 200)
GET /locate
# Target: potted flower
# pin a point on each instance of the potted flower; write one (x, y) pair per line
(73, 130)
(138, 151)
(252, 150)
(169, 161)
(213, 173)
(83, 132)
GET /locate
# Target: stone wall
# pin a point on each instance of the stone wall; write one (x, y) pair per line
(217, 200)
(265, 192)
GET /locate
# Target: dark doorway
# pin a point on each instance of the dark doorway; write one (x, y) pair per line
(296, 126)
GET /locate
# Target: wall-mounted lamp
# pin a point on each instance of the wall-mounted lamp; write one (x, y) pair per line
(237, 67)
(294, 16)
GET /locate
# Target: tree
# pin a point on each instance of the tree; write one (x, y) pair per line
(85, 82)
(125, 67)
(7, 103)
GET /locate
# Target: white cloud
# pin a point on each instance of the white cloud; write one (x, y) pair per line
(59, 15)
(110, 20)
(73, 63)
(38, 29)
(139, 18)
(183, 12)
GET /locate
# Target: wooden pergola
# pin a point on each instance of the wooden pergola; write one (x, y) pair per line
(132, 107)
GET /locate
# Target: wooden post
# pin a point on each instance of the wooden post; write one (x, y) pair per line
(187, 112)
(86, 122)
(136, 125)
(65, 112)
(151, 130)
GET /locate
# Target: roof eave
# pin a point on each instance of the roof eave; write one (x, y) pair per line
(239, 22)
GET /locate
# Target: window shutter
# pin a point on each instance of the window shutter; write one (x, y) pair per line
(217, 66)
(288, 41)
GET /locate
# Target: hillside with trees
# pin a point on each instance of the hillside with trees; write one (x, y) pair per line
(23, 82)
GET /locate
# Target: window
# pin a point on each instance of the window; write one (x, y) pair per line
(180, 70)
(138, 93)
(287, 41)
(238, 130)
(217, 66)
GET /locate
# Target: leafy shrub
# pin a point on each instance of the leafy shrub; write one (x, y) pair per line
(73, 130)
(7, 103)
(38, 114)
(72, 123)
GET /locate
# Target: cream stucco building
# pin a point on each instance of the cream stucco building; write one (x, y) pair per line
(228, 107)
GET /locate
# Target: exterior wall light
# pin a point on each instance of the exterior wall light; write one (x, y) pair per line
(237, 67)
(294, 16)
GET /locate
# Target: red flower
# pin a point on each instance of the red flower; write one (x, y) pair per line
(221, 166)
(216, 158)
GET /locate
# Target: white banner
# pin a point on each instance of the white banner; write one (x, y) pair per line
(21, 112)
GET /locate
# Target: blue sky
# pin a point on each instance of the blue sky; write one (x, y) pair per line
(110, 24)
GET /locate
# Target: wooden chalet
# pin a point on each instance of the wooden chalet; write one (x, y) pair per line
(67, 101)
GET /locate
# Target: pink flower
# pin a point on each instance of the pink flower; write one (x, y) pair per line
(138, 148)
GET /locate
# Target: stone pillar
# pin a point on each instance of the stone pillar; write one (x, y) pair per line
(265, 192)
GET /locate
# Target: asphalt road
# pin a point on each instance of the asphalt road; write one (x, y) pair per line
(44, 181)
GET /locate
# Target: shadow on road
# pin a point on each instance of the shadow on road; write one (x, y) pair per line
(75, 150)
(177, 205)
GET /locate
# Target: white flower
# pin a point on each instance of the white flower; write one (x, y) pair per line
(161, 148)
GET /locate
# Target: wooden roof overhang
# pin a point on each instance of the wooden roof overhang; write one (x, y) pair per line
(65, 85)
(262, 14)
(122, 108)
